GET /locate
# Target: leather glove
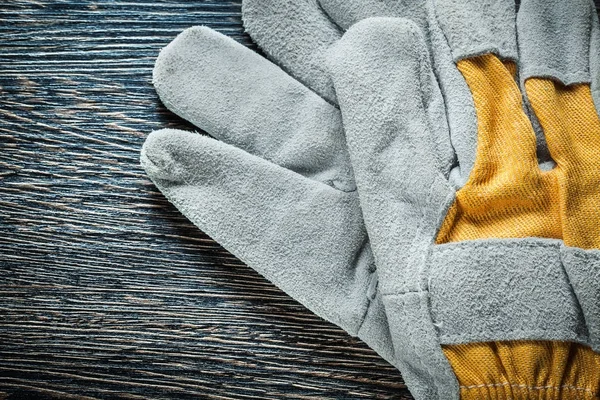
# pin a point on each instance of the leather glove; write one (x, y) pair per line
(247, 204)
(496, 259)
(274, 184)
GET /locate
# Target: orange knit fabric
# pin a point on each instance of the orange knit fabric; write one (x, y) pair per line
(572, 129)
(525, 370)
(508, 196)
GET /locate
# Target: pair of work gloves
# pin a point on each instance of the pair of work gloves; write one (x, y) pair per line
(424, 174)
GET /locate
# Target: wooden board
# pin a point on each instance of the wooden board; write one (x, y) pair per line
(106, 291)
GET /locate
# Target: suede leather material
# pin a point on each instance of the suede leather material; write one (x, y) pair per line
(298, 129)
(299, 44)
(595, 60)
(418, 351)
(391, 132)
(559, 40)
(375, 329)
(257, 196)
(583, 269)
(272, 218)
(457, 99)
(478, 27)
(496, 35)
(554, 39)
(398, 179)
(404, 182)
(284, 181)
(460, 109)
(347, 13)
(494, 290)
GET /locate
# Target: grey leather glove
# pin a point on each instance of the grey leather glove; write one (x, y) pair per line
(277, 190)
(452, 194)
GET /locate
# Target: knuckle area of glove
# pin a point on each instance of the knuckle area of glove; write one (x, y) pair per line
(506, 290)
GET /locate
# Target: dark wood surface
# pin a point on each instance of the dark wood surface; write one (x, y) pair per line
(106, 291)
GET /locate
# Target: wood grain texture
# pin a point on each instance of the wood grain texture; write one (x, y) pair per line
(106, 291)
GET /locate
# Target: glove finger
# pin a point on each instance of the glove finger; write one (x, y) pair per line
(475, 27)
(346, 13)
(395, 127)
(305, 237)
(554, 39)
(243, 99)
(397, 137)
(462, 29)
(296, 35)
(561, 40)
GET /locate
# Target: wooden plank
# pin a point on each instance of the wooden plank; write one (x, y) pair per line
(106, 291)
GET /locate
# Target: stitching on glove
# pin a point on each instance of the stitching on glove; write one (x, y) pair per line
(517, 386)
(455, 339)
(509, 244)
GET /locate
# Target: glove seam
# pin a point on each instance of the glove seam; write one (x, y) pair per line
(370, 297)
(511, 243)
(569, 78)
(528, 387)
(457, 339)
(402, 293)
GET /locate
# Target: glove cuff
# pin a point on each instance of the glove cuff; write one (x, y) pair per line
(529, 290)
(525, 370)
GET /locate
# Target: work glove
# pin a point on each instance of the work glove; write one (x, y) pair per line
(491, 284)
(274, 184)
(222, 189)
(493, 188)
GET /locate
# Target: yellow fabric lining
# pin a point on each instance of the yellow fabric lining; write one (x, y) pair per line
(525, 370)
(508, 196)
(572, 129)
